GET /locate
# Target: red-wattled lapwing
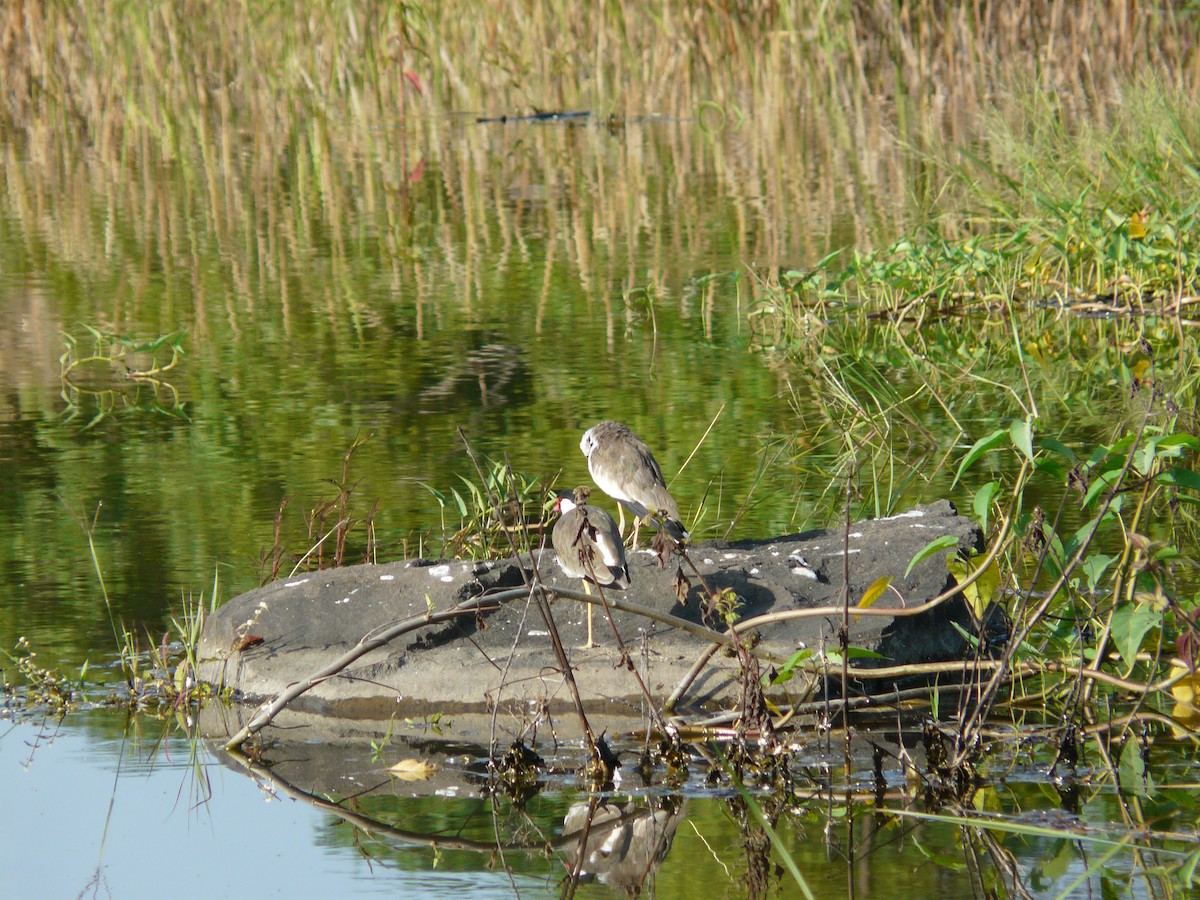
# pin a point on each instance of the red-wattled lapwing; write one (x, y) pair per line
(589, 546)
(625, 469)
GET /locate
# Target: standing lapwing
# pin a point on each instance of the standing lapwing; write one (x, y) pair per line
(625, 469)
(589, 546)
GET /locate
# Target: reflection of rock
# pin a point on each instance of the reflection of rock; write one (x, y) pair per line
(626, 843)
(492, 375)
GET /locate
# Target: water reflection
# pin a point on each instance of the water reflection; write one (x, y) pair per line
(127, 795)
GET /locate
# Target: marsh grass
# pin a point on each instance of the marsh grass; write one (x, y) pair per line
(497, 513)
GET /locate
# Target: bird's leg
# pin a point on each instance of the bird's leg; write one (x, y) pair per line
(587, 589)
(621, 519)
(637, 524)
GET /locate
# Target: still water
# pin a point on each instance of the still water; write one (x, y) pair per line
(105, 815)
(99, 809)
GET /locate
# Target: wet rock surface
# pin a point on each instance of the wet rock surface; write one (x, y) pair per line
(502, 658)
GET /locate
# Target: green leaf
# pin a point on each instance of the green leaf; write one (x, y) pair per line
(788, 669)
(1180, 477)
(1143, 459)
(1058, 448)
(1132, 769)
(834, 658)
(981, 446)
(1167, 552)
(1187, 872)
(1130, 623)
(1060, 864)
(437, 495)
(1094, 567)
(1180, 440)
(1100, 484)
(982, 504)
(1021, 433)
(1082, 535)
(863, 653)
(1052, 468)
(937, 545)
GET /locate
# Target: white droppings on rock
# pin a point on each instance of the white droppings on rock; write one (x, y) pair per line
(754, 571)
(805, 572)
(537, 634)
(729, 556)
(439, 571)
(389, 577)
(708, 561)
(774, 552)
(296, 583)
(910, 514)
(340, 602)
(447, 578)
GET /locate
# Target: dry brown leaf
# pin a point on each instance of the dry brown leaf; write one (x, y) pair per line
(412, 769)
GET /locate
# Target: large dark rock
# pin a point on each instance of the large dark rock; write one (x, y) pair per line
(503, 656)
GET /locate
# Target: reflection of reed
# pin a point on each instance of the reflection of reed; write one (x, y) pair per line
(237, 153)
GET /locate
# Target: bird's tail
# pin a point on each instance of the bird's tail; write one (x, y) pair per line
(675, 530)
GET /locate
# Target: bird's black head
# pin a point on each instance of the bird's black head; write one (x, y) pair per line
(568, 500)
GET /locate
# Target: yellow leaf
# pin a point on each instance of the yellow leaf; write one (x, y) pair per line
(412, 769)
(1137, 225)
(1184, 691)
(987, 800)
(980, 592)
(875, 591)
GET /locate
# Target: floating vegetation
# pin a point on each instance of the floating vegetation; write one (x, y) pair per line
(117, 373)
